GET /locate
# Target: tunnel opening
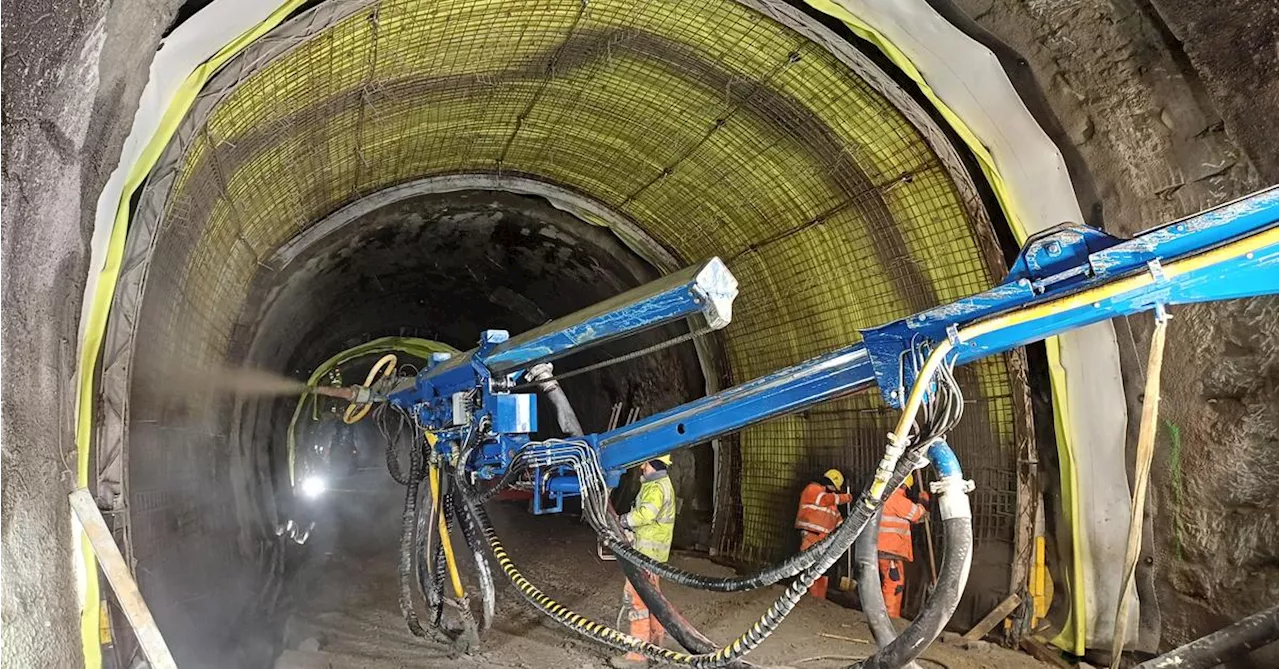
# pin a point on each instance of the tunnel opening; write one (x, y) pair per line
(402, 170)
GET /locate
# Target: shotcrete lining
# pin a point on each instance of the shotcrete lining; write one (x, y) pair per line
(822, 194)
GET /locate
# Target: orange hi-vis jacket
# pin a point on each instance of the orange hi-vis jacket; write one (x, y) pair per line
(819, 512)
(900, 513)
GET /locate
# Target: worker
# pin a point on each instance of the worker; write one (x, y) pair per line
(819, 515)
(894, 547)
(651, 522)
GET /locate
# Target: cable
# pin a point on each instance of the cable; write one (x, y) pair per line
(386, 365)
(748, 641)
(455, 578)
(594, 500)
(393, 459)
(483, 573)
(407, 521)
(689, 336)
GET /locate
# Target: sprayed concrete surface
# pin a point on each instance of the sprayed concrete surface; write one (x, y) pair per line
(345, 592)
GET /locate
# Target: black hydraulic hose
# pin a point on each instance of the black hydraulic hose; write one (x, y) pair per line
(1229, 642)
(566, 417)
(435, 569)
(953, 574)
(407, 522)
(751, 639)
(766, 576)
(789, 567)
(867, 555)
(668, 616)
(427, 557)
(484, 574)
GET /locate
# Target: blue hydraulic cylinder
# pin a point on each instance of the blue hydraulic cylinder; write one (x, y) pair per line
(707, 289)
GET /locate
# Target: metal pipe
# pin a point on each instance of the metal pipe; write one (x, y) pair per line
(1232, 641)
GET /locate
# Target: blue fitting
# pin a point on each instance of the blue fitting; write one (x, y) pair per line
(944, 460)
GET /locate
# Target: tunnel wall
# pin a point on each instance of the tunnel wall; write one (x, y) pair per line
(786, 158)
(1171, 106)
(68, 109)
(726, 178)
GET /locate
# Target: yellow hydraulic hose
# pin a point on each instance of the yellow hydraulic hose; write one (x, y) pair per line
(1250, 244)
(445, 543)
(386, 366)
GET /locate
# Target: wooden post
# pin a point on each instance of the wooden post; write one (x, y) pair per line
(121, 580)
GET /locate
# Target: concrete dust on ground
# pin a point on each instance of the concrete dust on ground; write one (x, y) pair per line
(345, 611)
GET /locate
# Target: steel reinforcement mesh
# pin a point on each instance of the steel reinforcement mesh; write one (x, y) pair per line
(738, 129)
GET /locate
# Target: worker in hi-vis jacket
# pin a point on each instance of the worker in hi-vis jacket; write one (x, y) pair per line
(894, 546)
(819, 515)
(652, 521)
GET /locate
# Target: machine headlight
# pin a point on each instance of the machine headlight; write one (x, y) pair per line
(312, 486)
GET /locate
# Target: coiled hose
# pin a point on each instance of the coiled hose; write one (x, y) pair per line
(484, 574)
(866, 555)
(957, 525)
(407, 521)
(748, 641)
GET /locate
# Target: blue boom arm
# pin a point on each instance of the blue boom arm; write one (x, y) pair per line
(1065, 278)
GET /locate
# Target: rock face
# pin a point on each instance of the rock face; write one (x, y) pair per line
(1159, 97)
(1150, 93)
(72, 86)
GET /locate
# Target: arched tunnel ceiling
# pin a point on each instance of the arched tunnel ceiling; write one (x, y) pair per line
(718, 128)
(738, 129)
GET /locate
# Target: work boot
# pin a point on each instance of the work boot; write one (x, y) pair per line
(628, 662)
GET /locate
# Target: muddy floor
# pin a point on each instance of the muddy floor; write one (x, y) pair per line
(346, 614)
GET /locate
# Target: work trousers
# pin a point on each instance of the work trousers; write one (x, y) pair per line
(807, 539)
(893, 583)
(643, 626)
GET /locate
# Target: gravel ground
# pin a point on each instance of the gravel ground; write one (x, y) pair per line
(346, 614)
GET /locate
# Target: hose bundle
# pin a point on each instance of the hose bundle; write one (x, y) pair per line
(423, 560)
(729, 654)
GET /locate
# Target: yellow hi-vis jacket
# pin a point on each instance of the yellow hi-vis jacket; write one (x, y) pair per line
(653, 518)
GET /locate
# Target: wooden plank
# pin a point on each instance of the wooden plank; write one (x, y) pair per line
(121, 580)
(1000, 612)
(1043, 653)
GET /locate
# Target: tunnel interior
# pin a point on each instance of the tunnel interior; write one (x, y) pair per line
(433, 170)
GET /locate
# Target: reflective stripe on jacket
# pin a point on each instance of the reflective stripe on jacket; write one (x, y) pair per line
(900, 513)
(653, 518)
(819, 512)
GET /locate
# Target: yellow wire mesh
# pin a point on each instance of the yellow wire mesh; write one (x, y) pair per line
(715, 128)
